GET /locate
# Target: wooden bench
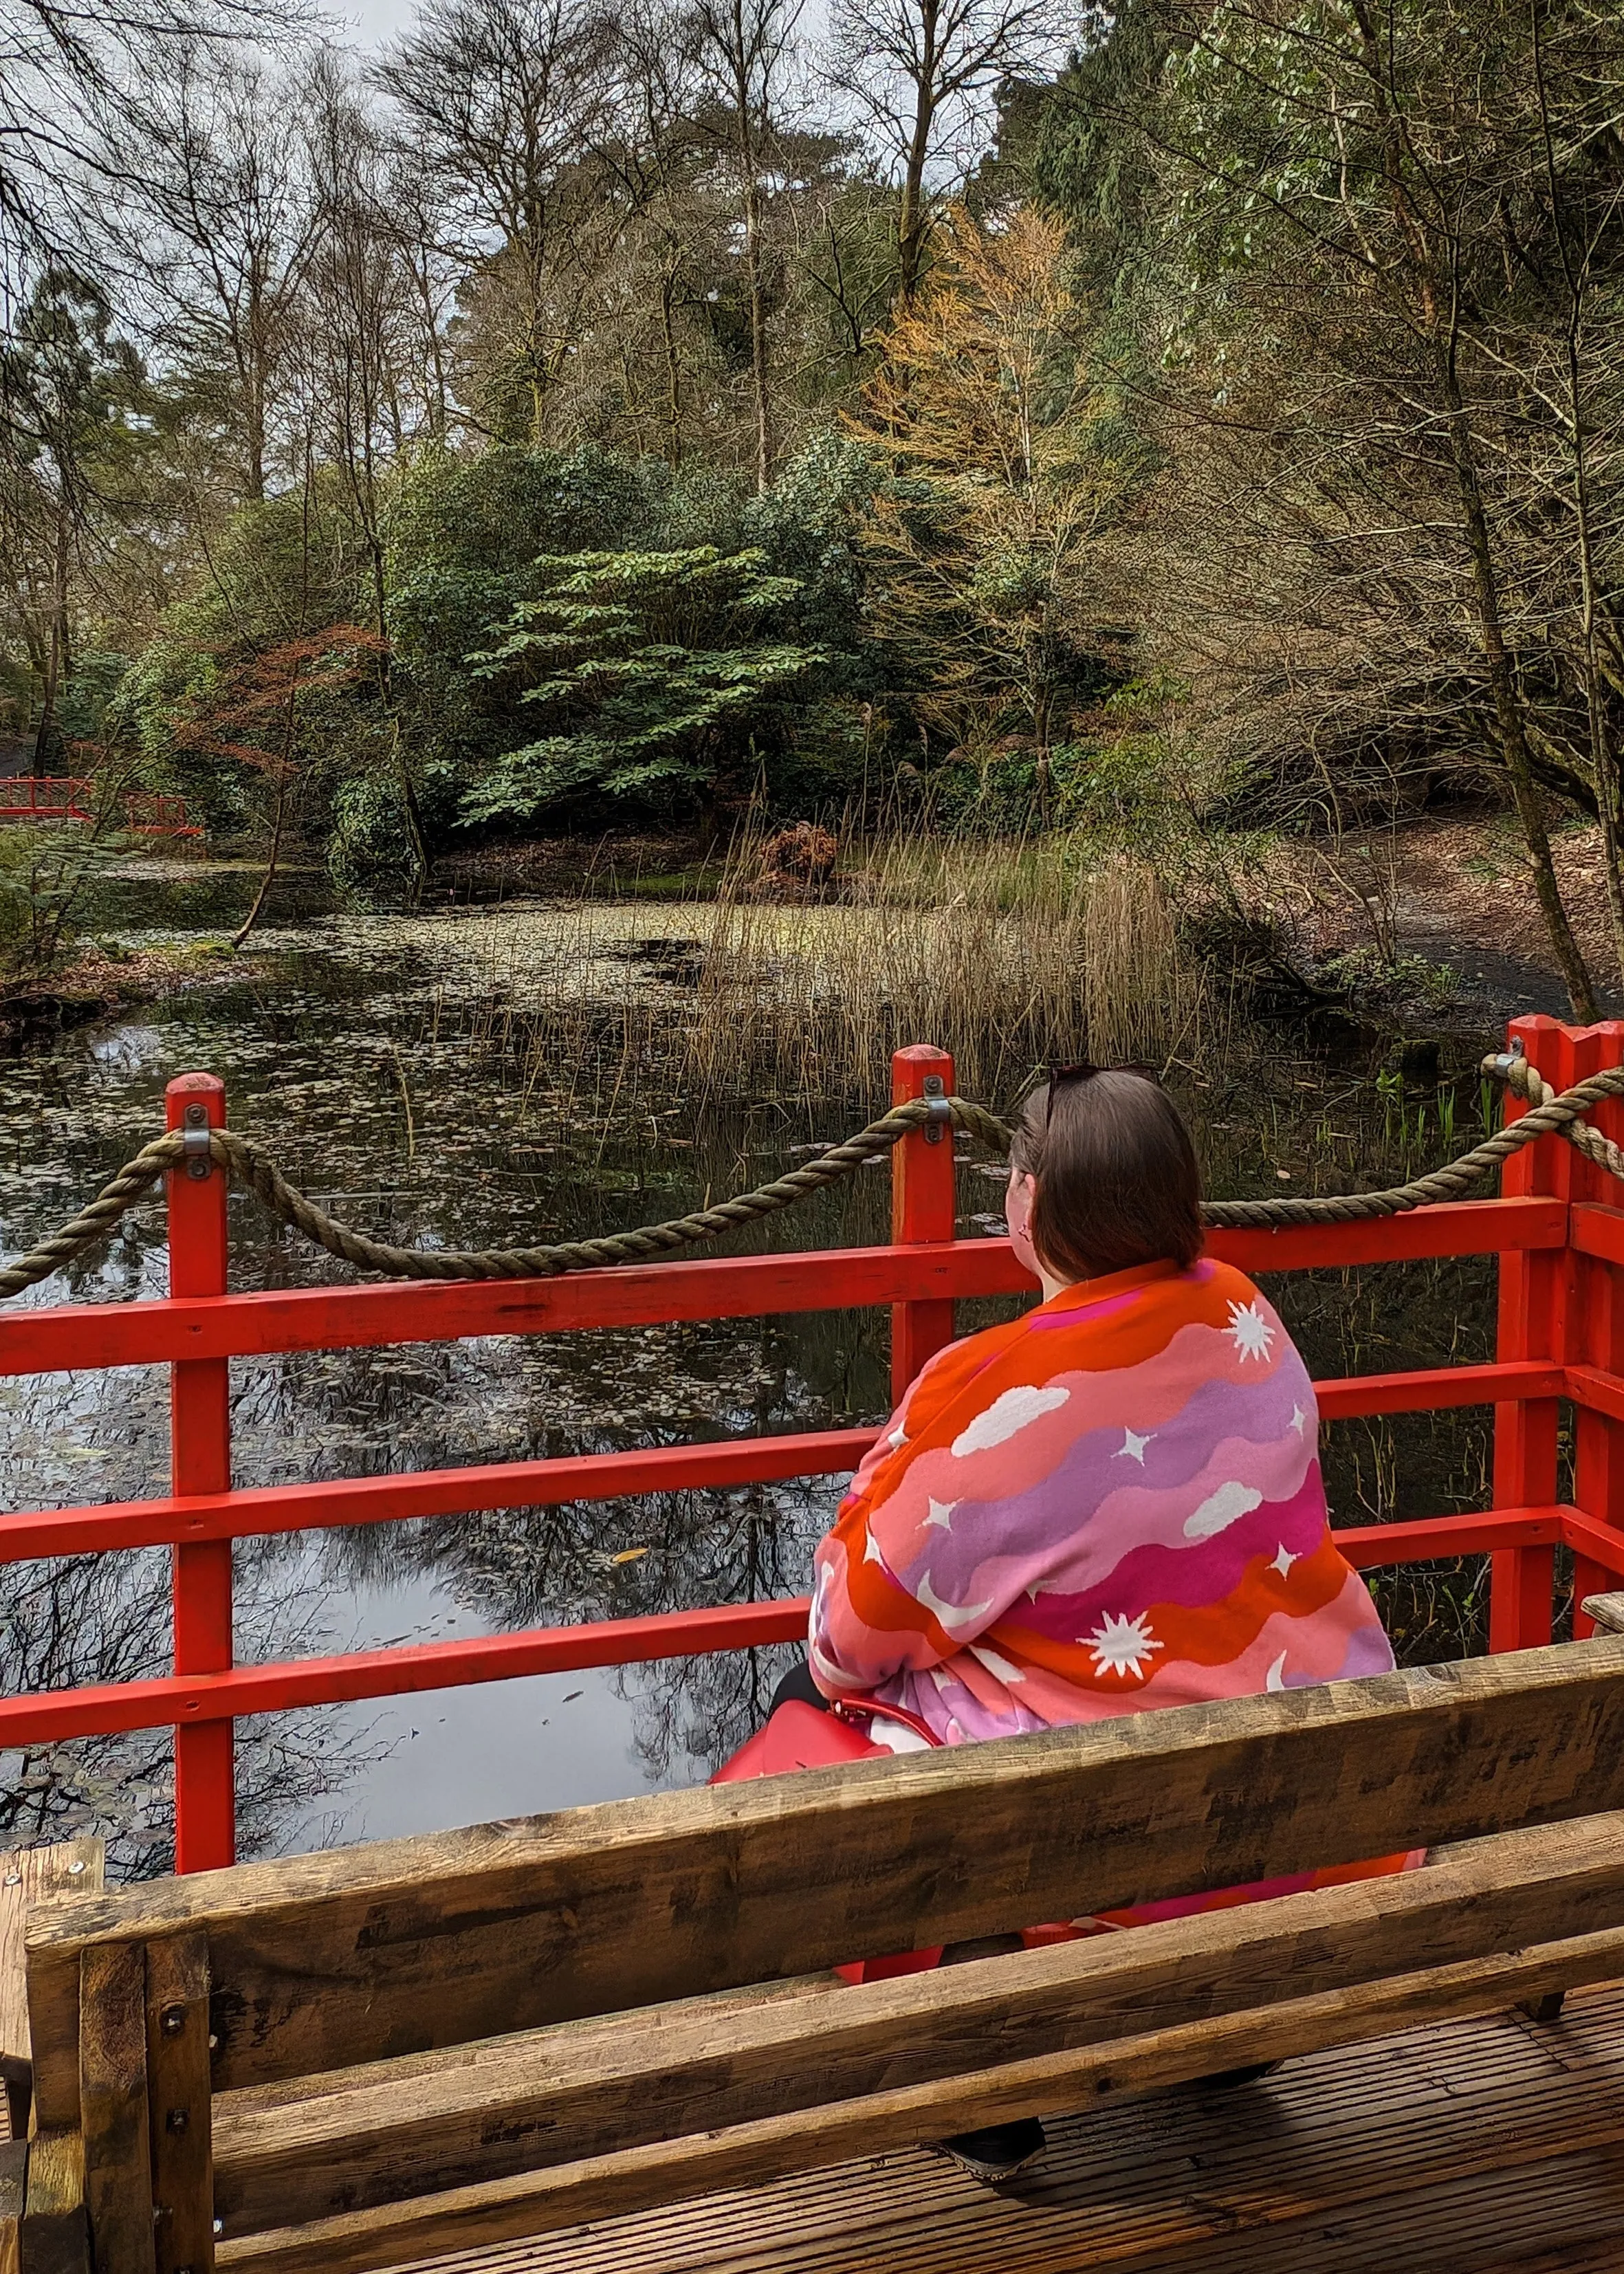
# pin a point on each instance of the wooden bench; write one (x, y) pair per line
(350, 2060)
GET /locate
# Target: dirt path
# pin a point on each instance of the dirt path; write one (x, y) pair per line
(1456, 892)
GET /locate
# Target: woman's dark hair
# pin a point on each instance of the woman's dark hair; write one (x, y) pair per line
(1117, 1183)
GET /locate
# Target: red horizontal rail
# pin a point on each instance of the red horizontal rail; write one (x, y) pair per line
(180, 1699)
(177, 1699)
(1594, 1392)
(70, 1336)
(76, 1335)
(1586, 1537)
(1598, 1231)
(1454, 1228)
(1431, 1539)
(268, 1508)
(1448, 1386)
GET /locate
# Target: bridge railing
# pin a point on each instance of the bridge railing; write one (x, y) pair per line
(75, 797)
(1556, 1228)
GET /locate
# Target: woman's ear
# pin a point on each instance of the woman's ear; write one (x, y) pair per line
(1017, 1214)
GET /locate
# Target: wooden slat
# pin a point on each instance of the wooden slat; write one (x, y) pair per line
(748, 2155)
(1606, 1610)
(181, 2114)
(322, 1961)
(56, 2237)
(436, 2121)
(112, 2069)
(26, 1874)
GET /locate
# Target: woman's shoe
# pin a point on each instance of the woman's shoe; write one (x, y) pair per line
(997, 2152)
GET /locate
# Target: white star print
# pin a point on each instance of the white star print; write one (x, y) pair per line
(1132, 1446)
(1119, 1644)
(1298, 1418)
(1251, 1331)
(871, 1549)
(1275, 1678)
(1283, 1561)
(941, 1514)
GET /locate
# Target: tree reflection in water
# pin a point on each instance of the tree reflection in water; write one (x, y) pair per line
(88, 1619)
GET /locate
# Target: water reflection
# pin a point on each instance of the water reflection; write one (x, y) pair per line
(395, 1079)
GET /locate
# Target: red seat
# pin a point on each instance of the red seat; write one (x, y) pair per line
(799, 1736)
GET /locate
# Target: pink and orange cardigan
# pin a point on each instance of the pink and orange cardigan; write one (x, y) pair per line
(1111, 1504)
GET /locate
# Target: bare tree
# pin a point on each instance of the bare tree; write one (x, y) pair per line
(744, 50)
(920, 75)
(74, 83)
(1379, 360)
(362, 331)
(497, 99)
(222, 229)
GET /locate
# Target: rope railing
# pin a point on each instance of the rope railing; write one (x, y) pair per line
(251, 1168)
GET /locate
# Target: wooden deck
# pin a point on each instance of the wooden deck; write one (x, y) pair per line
(1473, 2148)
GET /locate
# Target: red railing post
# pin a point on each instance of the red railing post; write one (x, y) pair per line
(1595, 1311)
(200, 1462)
(923, 1206)
(1534, 1321)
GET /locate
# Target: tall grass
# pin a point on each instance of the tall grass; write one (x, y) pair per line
(1012, 955)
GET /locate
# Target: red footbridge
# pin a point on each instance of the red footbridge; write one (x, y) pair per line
(1557, 1228)
(74, 798)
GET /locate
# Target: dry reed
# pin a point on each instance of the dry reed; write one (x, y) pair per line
(1011, 955)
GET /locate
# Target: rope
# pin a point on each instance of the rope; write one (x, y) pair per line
(249, 1166)
(1550, 1114)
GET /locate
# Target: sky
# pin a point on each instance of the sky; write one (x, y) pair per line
(369, 23)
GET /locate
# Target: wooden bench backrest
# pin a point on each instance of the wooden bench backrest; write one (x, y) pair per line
(326, 1961)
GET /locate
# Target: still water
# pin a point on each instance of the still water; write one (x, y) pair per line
(379, 1058)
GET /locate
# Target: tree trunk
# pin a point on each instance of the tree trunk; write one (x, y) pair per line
(271, 857)
(258, 387)
(56, 660)
(673, 374)
(1508, 712)
(910, 213)
(759, 374)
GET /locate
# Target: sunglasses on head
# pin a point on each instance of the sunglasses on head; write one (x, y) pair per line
(1083, 1070)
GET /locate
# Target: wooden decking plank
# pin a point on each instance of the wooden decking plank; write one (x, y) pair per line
(1418, 2153)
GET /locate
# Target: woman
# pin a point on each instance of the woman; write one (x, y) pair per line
(1110, 1504)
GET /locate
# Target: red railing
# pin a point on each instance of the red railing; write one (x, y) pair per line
(73, 797)
(1556, 1227)
(47, 797)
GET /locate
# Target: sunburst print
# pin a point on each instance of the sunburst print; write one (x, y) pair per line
(1122, 1645)
(1251, 1331)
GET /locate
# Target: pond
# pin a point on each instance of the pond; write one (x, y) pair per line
(397, 1069)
